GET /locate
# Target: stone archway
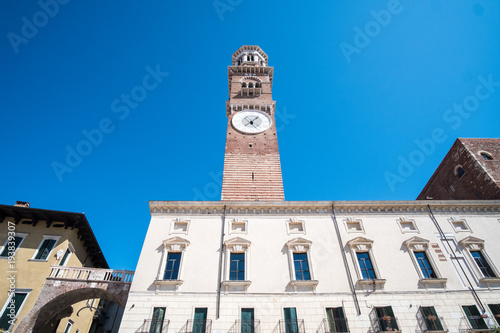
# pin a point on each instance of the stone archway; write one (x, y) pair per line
(58, 295)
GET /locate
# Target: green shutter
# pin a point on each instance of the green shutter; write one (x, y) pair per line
(45, 249)
(200, 320)
(18, 301)
(291, 325)
(247, 321)
(495, 310)
(157, 320)
(17, 241)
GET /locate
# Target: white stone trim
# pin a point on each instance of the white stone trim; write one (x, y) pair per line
(355, 222)
(236, 221)
(475, 244)
(236, 245)
(417, 244)
(454, 222)
(174, 244)
(300, 245)
(44, 237)
(402, 222)
(361, 244)
(293, 222)
(178, 222)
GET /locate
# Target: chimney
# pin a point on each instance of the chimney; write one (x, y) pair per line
(22, 204)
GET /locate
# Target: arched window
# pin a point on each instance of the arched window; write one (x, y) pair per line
(486, 156)
(459, 171)
(244, 85)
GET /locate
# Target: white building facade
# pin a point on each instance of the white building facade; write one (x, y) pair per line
(318, 267)
(255, 263)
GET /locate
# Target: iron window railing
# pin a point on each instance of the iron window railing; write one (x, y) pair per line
(245, 326)
(291, 326)
(385, 324)
(336, 325)
(476, 324)
(154, 326)
(197, 326)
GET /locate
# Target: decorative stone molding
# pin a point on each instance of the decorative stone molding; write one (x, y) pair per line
(238, 226)
(475, 244)
(472, 243)
(295, 226)
(407, 225)
(459, 225)
(299, 244)
(418, 244)
(175, 244)
(354, 225)
(179, 226)
(360, 244)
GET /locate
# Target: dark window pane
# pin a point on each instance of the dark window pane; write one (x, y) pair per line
(424, 265)
(17, 241)
(47, 246)
(172, 267)
(237, 267)
(301, 266)
(365, 265)
(482, 264)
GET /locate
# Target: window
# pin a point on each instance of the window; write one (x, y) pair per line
(484, 266)
(65, 257)
(11, 245)
(157, 320)
(236, 272)
(290, 322)
(361, 250)
(237, 267)
(459, 171)
(336, 320)
(301, 266)
(429, 319)
(383, 319)
(486, 156)
(299, 256)
(173, 265)
(474, 318)
(247, 320)
(68, 326)
(15, 301)
(495, 310)
(424, 265)
(365, 265)
(200, 320)
(418, 249)
(45, 248)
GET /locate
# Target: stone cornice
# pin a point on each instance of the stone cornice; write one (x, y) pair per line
(323, 207)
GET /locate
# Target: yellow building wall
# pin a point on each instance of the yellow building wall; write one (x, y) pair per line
(32, 274)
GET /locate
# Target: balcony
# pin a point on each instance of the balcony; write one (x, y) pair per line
(477, 324)
(385, 324)
(245, 326)
(197, 326)
(154, 326)
(336, 325)
(291, 326)
(431, 323)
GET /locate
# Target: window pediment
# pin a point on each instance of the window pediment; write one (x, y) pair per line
(299, 244)
(472, 243)
(360, 244)
(175, 244)
(417, 244)
(237, 244)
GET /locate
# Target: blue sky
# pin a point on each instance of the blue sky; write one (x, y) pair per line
(370, 97)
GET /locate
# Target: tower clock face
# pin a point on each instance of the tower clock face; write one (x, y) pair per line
(251, 122)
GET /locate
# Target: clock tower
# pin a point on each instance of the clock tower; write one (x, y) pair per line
(252, 169)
